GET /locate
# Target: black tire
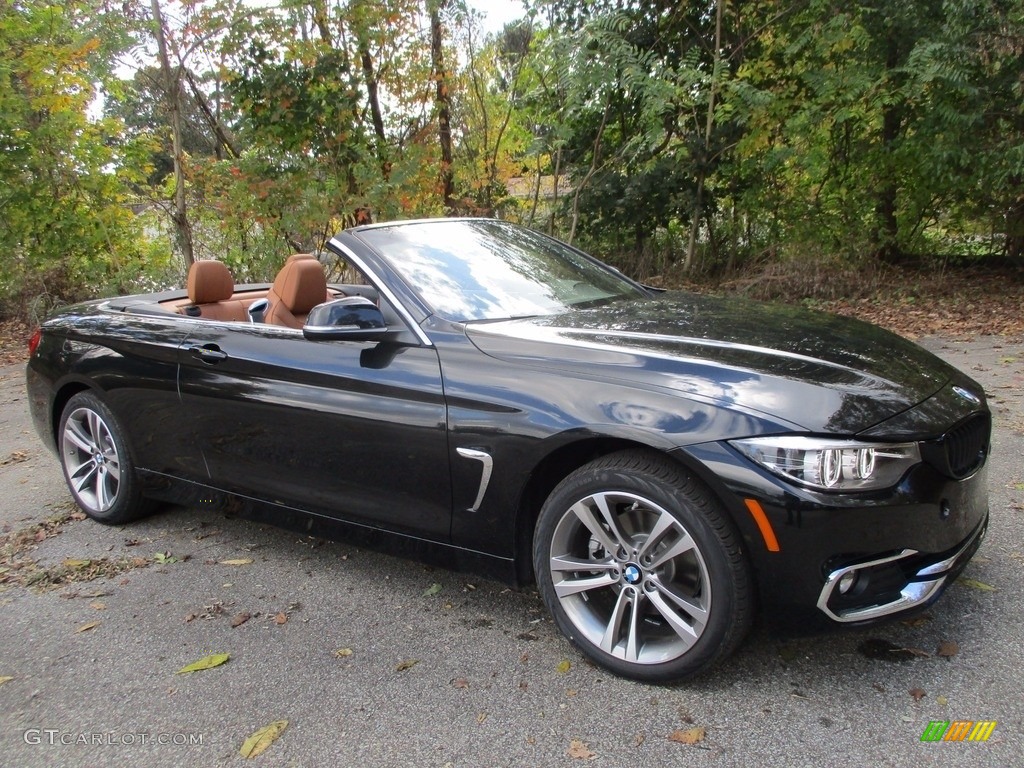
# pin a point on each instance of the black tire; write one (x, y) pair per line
(675, 595)
(96, 462)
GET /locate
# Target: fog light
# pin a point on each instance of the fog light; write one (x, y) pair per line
(846, 582)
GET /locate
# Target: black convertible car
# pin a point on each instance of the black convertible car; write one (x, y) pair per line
(660, 464)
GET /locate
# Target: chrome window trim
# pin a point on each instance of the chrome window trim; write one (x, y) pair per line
(384, 289)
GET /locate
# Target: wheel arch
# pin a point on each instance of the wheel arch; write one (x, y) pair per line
(566, 459)
(60, 400)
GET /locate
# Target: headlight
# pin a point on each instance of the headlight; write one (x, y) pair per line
(832, 465)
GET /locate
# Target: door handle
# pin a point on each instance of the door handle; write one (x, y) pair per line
(210, 354)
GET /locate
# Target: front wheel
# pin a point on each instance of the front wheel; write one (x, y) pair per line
(641, 569)
(96, 463)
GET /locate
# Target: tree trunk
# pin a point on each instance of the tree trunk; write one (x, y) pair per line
(1015, 225)
(886, 234)
(443, 102)
(374, 98)
(172, 88)
(225, 140)
(698, 203)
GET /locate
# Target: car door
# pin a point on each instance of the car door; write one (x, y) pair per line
(349, 429)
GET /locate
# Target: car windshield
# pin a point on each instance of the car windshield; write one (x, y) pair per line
(489, 270)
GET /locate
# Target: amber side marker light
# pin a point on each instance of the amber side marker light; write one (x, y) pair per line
(34, 340)
(756, 512)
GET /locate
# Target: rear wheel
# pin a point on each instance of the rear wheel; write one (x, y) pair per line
(641, 569)
(97, 466)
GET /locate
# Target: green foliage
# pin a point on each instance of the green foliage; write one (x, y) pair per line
(840, 134)
(67, 229)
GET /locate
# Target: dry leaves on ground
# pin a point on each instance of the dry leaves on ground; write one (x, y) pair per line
(689, 735)
(259, 741)
(207, 662)
(580, 751)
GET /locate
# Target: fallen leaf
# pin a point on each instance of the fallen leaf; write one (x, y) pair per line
(98, 605)
(165, 558)
(259, 741)
(689, 736)
(407, 664)
(207, 662)
(342, 653)
(87, 627)
(580, 751)
(563, 666)
(975, 584)
(917, 693)
(73, 563)
(240, 619)
(480, 718)
(237, 561)
(460, 682)
(190, 617)
(571, 692)
(878, 687)
(948, 649)
(638, 740)
(281, 618)
(942, 700)
(5, 679)
(433, 589)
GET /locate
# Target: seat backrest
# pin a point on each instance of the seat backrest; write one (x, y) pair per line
(210, 288)
(298, 287)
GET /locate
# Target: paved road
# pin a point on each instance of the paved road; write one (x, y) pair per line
(487, 687)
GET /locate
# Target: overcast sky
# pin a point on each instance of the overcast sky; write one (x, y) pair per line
(499, 12)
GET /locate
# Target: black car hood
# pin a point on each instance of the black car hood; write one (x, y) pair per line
(819, 372)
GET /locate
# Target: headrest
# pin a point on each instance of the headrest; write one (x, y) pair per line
(209, 281)
(301, 285)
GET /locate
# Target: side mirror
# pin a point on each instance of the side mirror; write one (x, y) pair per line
(353, 318)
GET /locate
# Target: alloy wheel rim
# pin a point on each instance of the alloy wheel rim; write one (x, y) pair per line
(91, 459)
(630, 577)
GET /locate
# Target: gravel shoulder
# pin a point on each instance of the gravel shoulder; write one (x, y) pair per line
(379, 661)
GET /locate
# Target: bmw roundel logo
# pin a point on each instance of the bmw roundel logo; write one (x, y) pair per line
(970, 397)
(632, 573)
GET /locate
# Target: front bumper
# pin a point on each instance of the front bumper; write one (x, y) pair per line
(903, 546)
(886, 586)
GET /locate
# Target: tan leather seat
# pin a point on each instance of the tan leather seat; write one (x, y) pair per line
(298, 256)
(298, 287)
(210, 288)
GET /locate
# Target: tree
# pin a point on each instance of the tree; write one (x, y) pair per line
(65, 227)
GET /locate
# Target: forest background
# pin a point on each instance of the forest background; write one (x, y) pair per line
(867, 157)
